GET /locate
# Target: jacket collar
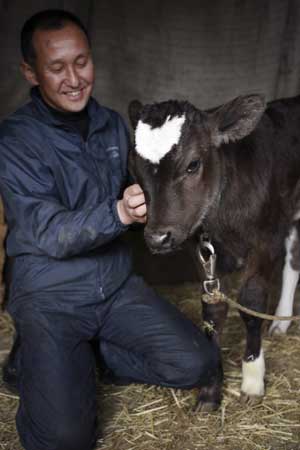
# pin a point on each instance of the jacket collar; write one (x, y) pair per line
(97, 114)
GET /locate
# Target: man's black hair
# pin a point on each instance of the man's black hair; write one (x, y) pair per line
(50, 19)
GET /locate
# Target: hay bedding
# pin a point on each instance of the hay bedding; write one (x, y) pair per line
(150, 418)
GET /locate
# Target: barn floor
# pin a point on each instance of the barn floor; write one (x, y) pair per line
(149, 418)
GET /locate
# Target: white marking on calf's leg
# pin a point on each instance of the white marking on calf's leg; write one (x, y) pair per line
(253, 376)
(154, 143)
(289, 283)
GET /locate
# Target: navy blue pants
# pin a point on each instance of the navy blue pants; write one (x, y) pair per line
(140, 336)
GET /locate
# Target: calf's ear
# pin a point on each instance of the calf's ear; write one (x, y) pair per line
(237, 119)
(134, 112)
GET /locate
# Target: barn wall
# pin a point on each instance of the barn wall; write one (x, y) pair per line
(203, 51)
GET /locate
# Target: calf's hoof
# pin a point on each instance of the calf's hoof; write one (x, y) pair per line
(251, 400)
(209, 399)
(205, 407)
(279, 327)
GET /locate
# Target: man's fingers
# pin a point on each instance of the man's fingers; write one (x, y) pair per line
(132, 207)
(141, 219)
(140, 211)
(134, 189)
(136, 200)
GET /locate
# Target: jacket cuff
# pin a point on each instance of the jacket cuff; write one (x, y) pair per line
(115, 213)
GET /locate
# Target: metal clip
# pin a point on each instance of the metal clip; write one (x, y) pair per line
(209, 265)
(211, 285)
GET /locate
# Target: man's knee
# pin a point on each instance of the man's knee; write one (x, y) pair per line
(193, 369)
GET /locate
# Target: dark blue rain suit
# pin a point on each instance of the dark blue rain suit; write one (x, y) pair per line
(72, 280)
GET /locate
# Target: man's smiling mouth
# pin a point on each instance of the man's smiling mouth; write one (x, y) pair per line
(74, 94)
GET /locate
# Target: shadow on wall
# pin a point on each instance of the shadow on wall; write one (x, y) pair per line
(161, 269)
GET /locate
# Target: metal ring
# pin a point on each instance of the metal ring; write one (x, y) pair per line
(210, 286)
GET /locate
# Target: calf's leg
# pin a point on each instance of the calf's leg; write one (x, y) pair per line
(214, 316)
(290, 277)
(253, 295)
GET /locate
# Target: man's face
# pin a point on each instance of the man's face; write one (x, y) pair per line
(63, 68)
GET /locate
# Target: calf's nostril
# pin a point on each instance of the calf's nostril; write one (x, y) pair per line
(160, 238)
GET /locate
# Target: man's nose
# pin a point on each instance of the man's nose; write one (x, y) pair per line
(72, 77)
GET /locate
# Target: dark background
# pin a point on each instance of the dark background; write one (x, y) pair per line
(204, 51)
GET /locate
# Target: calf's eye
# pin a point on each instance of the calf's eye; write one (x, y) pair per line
(193, 166)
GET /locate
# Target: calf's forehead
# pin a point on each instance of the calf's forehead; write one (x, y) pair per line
(153, 144)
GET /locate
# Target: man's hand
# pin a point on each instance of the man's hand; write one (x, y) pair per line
(132, 207)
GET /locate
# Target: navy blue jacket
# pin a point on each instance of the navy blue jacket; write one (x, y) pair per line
(60, 194)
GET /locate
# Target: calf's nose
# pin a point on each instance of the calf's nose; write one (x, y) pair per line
(160, 239)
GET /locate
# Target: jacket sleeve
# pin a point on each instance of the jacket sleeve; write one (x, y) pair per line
(124, 136)
(32, 205)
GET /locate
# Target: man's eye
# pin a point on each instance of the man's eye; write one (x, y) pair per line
(194, 166)
(81, 62)
(56, 69)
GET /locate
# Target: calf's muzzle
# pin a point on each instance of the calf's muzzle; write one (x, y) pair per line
(159, 241)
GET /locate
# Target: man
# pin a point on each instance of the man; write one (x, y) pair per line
(62, 175)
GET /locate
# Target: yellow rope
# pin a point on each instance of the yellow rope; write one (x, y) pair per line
(218, 296)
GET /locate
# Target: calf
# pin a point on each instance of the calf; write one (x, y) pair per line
(233, 172)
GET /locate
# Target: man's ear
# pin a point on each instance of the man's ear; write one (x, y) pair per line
(236, 119)
(29, 73)
(134, 112)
